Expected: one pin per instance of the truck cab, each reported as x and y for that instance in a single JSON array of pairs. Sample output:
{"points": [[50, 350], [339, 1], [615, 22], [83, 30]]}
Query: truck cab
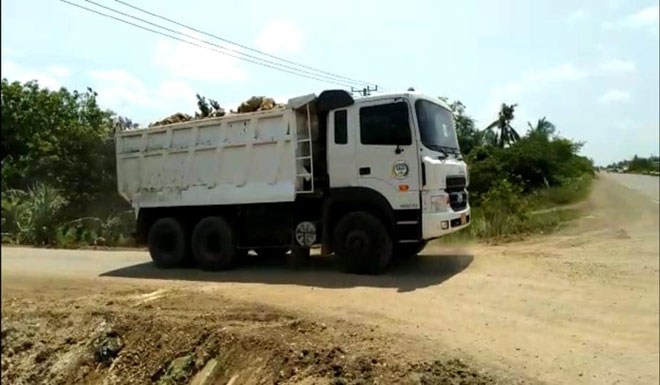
{"points": [[404, 147]]}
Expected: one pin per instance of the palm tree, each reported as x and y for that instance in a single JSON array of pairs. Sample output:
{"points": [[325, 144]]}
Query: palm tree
{"points": [[507, 134], [543, 128]]}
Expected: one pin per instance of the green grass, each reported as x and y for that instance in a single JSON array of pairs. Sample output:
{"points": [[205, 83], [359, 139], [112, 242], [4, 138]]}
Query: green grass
{"points": [[571, 191], [496, 224]]}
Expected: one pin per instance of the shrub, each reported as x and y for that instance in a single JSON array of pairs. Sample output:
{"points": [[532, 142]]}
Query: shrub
{"points": [[31, 216], [91, 231], [503, 209]]}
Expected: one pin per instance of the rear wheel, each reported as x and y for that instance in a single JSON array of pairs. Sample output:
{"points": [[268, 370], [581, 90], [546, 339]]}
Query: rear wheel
{"points": [[213, 244], [362, 243], [167, 243]]}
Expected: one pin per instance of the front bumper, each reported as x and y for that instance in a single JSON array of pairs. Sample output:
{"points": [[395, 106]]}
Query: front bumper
{"points": [[436, 225]]}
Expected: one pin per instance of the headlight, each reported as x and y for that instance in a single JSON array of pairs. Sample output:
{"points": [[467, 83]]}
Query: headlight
{"points": [[439, 203]]}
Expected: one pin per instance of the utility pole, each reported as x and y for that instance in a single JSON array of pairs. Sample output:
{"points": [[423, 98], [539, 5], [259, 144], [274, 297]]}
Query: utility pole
{"points": [[365, 91]]}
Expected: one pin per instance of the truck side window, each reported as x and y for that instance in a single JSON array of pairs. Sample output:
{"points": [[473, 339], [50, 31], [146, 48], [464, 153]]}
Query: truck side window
{"points": [[385, 124], [341, 134]]}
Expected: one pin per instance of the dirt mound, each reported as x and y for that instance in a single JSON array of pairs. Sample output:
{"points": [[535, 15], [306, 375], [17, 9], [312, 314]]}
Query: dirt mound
{"points": [[212, 109], [257, 103], [154, 337], [174, 118]]}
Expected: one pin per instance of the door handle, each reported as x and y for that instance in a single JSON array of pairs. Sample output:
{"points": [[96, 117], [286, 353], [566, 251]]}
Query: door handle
{"points": [[365, 170]]}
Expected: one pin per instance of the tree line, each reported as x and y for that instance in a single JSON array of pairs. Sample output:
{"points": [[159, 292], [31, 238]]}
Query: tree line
{"points": [[59, 175]]}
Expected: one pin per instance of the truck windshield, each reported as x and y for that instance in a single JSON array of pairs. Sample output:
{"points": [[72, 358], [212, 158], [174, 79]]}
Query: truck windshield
{"points": [[436, 127]]}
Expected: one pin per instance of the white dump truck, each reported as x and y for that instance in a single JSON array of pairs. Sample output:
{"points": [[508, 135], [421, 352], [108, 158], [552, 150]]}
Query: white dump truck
{"points": [[365, 178]]}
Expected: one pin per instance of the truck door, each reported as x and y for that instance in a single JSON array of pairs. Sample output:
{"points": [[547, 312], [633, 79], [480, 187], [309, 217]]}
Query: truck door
{"points": [[386, 151], [341, 147]]}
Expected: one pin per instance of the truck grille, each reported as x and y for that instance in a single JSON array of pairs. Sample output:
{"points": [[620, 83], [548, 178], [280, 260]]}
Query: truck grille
{"points": [[458, 200], [458, 197], [455, 182]]}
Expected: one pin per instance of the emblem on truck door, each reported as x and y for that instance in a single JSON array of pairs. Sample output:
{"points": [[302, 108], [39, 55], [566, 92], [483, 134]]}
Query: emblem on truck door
{"points": [[400, 169]]}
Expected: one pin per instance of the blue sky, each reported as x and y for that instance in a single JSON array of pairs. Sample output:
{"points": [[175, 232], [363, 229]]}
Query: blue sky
{"points": [[591, 67]]}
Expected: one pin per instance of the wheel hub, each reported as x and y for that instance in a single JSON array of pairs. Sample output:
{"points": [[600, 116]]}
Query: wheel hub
{"points": [[357, 242]]}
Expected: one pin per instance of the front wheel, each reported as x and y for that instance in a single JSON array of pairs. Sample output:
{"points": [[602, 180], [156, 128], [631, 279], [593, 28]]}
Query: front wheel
{"points": [[362, 243]]}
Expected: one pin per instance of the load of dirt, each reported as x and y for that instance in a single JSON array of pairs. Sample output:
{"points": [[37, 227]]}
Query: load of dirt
{"points": [[257, 103], [175, 118], [212, 109], [138, 337]]}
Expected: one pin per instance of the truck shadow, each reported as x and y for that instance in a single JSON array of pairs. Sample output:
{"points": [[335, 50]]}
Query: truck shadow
{"points": [[406, 274]]}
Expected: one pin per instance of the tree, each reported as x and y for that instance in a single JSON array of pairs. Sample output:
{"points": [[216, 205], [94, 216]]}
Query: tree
{"points": [[507, 134], [208, 109], [122, 123], [203, 105], [60, 138], [543, 129]]}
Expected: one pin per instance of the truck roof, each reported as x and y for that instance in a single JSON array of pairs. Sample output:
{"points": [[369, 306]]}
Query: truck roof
{"points": [[415, 94]]}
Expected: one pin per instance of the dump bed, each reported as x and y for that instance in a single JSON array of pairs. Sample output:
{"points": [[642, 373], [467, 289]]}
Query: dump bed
{"points": [[240, 158]]}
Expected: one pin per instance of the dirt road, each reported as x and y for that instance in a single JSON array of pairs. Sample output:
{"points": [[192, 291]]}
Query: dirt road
{"points": [[578, 306]]}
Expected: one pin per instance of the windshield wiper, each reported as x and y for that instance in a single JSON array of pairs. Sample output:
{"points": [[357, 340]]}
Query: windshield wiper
{"points": [[438, 148], [453, 150]]}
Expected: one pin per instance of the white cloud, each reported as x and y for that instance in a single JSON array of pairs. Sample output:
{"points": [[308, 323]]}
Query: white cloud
{"points": [[60, 71], [190, 62], [563, 72], [530, 82], [614, 96], [177, 90], [646, 18], [578, 16], [118, 89], [123, 93], [13, 71], [618, 66], [280, 36], [536, 80], [6, 51]]}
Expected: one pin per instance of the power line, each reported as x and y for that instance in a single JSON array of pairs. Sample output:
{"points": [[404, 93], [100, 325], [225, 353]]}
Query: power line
{"points": [[201, 46], [243, 46], [213, 44]]}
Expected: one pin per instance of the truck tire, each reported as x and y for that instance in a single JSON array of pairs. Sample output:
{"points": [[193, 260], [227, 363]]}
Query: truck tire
{"points": [[213, 244], [407, 250], [298, 257], [362, 243], [167, 243], [272, 252]]}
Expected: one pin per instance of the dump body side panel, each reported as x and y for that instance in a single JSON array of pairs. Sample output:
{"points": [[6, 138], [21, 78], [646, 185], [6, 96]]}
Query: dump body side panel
{"points": [[247, 158]]}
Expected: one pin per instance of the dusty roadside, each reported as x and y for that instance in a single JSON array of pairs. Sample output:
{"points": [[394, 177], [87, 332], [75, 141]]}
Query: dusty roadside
{"points": [[59, 334], [577, 306]]}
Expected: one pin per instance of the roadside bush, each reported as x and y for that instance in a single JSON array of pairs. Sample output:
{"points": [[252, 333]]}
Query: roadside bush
{"points": [[569, 190], [504, 209], [31, 216], [534, 162], [115, 230]]}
